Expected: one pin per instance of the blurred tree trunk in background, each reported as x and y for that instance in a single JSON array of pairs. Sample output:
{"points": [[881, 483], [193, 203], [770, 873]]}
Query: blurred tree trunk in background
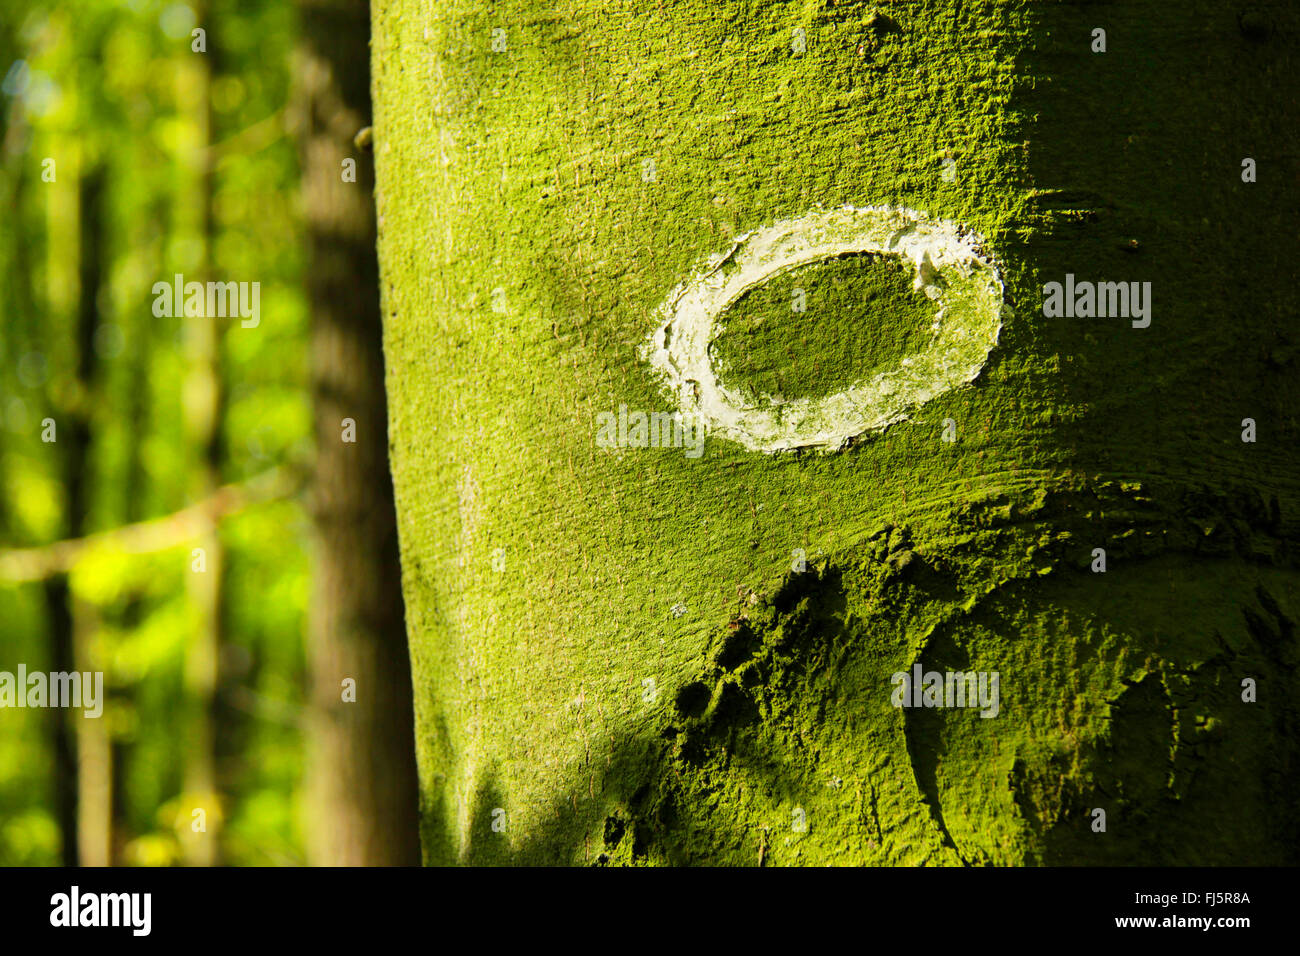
{"points": [[205, 400], [76, 756], [94, 772], [57, 598], [148, 232], [363, 786]]}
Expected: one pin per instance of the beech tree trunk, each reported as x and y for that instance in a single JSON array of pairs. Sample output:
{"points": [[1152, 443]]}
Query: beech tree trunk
{"points": [[362, 775], [620, 654]]}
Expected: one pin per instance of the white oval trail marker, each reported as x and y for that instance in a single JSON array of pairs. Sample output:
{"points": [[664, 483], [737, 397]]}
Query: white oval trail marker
{"points": [[948, 267]]}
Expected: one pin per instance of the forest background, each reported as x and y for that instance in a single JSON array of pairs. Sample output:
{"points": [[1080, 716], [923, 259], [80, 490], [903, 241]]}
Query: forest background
{"points": [[170, 534]]}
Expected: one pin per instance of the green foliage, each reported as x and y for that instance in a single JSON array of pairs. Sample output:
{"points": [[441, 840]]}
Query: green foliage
{"points": [[101, 84]]}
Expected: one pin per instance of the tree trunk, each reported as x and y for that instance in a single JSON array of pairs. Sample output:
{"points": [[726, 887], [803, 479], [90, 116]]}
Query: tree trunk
{"points": [[78, 748], [362, 771], [619, 653], [205, 403]]}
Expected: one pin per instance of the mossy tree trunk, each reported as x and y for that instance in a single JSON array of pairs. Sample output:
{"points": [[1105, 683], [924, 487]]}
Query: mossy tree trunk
{"points": [[617, 656]]}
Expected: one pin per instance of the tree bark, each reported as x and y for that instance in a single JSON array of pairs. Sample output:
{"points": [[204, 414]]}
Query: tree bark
{"points": [[77, 777], [362, 766], [205, 393], [616, 654]]}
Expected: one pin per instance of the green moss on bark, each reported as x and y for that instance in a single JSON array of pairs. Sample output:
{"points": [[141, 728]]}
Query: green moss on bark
{"points": [[610, 646], [856, 316]]}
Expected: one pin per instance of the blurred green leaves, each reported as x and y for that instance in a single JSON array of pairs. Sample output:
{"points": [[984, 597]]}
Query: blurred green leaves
{"points": [[100, 82]]}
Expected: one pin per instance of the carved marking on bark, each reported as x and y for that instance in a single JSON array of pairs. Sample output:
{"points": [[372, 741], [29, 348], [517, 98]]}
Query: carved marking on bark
{"points": [[948, 266]]}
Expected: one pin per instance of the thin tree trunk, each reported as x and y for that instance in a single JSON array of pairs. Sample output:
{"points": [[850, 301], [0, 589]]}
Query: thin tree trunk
{"points": [[618, 652], [94, 799], [77, 780], [135, 487], [205, 408], [95, 809], [362, 766], [66, 784]]}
